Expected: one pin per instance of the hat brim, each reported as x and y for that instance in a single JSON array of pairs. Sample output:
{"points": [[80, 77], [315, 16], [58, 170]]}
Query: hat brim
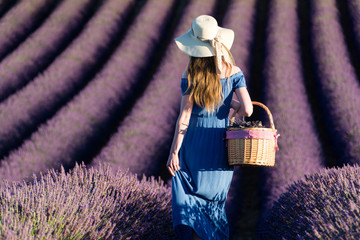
{"points": [[193, 46]]}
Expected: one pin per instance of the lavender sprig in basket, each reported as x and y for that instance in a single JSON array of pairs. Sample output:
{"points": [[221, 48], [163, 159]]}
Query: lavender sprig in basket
{"points": [[241, 123]]}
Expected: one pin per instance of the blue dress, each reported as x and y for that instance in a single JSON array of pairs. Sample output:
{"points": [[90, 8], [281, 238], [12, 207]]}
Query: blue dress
{"points": [[200, 187]]}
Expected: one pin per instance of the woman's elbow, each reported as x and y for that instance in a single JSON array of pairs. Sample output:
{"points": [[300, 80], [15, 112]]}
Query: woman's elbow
{"points": [[184, 119], [248, 111]]}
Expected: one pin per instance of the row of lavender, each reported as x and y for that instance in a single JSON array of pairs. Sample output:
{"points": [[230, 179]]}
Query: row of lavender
{"points": [[300, 149], [24, 111], [21, 20], [337, 83], [62, 139], [43, 45]]}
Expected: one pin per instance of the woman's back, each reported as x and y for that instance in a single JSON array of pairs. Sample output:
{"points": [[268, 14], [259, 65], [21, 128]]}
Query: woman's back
{"points": [[219, 118]]}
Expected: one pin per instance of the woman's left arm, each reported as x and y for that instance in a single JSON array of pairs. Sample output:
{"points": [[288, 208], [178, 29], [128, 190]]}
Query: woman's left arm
{"points": [[243, 102], [182, 124]]}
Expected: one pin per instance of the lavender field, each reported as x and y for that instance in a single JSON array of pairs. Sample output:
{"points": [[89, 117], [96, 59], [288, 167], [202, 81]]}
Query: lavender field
{"points": [[86, 84]]}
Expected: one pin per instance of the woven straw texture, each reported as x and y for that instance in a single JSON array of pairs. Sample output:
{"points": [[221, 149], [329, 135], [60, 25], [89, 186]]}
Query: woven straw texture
{"points": [[252, 151]]}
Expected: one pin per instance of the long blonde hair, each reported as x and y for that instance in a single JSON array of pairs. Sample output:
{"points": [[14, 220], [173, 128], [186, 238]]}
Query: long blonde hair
{"points": [[204, 83]]}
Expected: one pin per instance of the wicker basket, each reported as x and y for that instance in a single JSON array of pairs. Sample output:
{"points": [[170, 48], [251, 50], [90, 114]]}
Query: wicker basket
{"points": [[252, 146]]}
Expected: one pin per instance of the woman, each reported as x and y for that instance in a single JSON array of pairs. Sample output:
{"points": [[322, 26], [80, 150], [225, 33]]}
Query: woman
{"points": [[198, 158]]}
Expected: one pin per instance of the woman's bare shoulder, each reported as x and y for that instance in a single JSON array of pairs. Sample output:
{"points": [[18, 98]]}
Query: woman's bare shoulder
{"points": [[235, 69]]}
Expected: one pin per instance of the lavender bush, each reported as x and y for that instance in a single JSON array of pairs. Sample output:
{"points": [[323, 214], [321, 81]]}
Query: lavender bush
{"points": [[21, 113], [41, 47], [86, 204], [324, 205], [147, 130], [79, 123], [20, 20], [300, 149], [338, 85]]}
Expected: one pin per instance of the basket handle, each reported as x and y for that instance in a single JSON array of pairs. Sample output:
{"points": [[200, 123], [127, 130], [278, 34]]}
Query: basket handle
{"points": [[232, 119]]}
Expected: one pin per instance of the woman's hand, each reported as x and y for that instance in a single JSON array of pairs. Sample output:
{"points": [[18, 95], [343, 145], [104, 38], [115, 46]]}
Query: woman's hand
{"points": [[173, 163]]}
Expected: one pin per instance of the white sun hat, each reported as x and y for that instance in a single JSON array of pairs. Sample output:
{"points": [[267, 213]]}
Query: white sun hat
{"points": [[197, 41], [205, 39]]}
